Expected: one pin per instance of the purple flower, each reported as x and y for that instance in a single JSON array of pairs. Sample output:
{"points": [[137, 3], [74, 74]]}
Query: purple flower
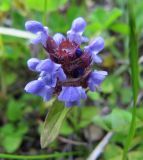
{"points": [[58, 38], [39, 30], [76, 31], [49, 79], [34, 86], [67, 71], [72, 95], [51, 71], [32, 63], [48, 66], [96, 79], [94, 48], [78, 25], [61, 75], [37, 87]]}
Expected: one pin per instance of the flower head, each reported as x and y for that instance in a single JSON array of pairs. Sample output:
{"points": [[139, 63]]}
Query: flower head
{"points": [[67, 72]]}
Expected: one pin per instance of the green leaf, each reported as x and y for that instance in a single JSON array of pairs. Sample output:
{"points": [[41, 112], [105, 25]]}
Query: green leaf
{"points": [[118, 157], [93, 95], [111, 83], [135, 155], [7, 129], [140, 113], [39, 5], [87, 115], [66, 129], [112, 16], [22, 128], [5, 5], [14, 110], [12, 142], [53, 122], [109, 154], [99, 18], [126, 95], [118, 121], [120, 28], [62, 23], [11, 137], [10, 78], [118, 138], [100, 121]]}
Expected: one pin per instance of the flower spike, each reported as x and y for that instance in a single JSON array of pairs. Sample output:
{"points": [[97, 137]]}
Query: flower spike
{"points": [[67, 71]]}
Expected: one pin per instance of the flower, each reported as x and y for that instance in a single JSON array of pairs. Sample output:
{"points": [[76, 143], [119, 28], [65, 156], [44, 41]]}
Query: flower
{"points": [[68, 70], [76, 31], [96, 79], [94, 48], [38, 29], [38, 87], [32, 63], [72, 95]]}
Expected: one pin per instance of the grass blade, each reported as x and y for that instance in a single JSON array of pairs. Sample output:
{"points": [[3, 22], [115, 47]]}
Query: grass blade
{"points": [[37, 157], [16, 33], [133, 57]]}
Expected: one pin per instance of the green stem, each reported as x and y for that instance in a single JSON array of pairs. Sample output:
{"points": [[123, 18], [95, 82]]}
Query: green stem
{"points": [[2, 79], [24, 157], [131, 133], [133, 56]]}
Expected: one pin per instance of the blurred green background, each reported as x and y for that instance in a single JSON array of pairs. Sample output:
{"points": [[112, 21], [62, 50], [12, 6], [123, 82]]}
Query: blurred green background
{"points": [[108, 109]]}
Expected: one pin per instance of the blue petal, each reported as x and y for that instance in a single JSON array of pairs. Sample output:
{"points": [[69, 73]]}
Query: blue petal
{"points": [[46, 93], [98, 76], [82, 93], [96, 79], [43, 73], [34, 26], [48, 66], [71, 94], [58, 37], [91, 85], [32, 63], [84, 39], [78, 25], [73, 37], [37, 87], [36, 40], [68, 94], [75, 33], [71, 104], [95, 46], [77, 38], [40, 31], [97, 59], [50, 80], [43, 38], [34, 87], [61, 75]]}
